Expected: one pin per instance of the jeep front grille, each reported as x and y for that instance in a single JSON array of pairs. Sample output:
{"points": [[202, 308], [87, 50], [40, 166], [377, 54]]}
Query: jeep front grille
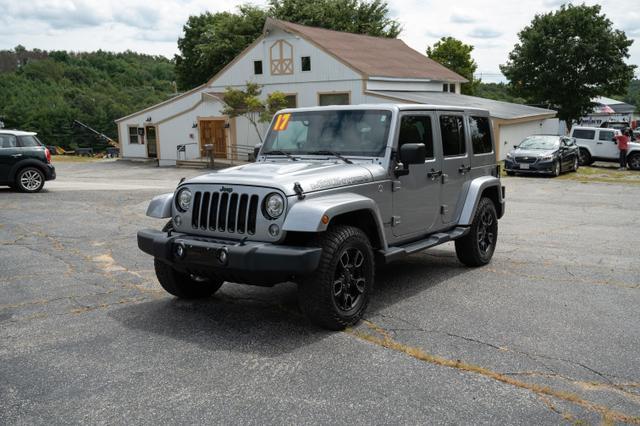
{"points": [[224, 212]]}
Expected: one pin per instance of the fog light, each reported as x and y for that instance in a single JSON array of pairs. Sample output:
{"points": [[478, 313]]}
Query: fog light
{"points": [[179, 251], [223, 256], [177, 220], [274, 230]]}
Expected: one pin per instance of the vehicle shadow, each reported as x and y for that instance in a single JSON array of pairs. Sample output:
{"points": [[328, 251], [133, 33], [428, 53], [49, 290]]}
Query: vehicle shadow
{"points": [[267, 321]]}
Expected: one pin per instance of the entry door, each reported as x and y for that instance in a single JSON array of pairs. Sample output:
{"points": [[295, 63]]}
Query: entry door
{"points": [[213, 132], [455, 163], [605, 146], [416, 200], [152, 142]]}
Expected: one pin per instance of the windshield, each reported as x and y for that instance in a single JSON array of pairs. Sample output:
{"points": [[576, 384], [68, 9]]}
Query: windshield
{"points": [[540, 142], [346, 132]]}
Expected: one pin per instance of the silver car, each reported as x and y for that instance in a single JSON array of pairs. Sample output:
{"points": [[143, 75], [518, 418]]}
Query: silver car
{"points": [[334, 192]]}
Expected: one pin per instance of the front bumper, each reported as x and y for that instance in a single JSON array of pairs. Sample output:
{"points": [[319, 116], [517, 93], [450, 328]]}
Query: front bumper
{"points": [[250, 262], [537, 167]]}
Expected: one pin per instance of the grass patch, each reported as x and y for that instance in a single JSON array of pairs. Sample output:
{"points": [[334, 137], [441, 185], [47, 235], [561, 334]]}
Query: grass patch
{"points": [[73, 159], [604, 174]]}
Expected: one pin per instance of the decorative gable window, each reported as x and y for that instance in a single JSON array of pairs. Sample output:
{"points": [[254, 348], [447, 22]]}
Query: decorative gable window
{"points": [[305, 63], [281, 55], [257, 67]]}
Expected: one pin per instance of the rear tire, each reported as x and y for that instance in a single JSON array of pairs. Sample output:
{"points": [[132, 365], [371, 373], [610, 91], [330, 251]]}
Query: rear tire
{"points": [[336, 295], [184, 285], [477, 247], [584, 157], [633, 161], [576, 165], [29, 179]]}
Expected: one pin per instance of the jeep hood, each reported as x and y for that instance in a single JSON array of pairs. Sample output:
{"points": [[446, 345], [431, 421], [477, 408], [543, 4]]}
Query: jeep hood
{"points": [[311, 175]]}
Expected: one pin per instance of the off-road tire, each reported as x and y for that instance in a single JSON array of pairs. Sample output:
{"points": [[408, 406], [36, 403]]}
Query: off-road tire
{"points": [[468, 248], [184, 285], [584, 158], [557, 169], [318, 294], [29, 179], [633, 161]]}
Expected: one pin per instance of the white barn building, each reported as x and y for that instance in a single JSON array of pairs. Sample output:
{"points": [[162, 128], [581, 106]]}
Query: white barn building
{"points": [[312, 66]]}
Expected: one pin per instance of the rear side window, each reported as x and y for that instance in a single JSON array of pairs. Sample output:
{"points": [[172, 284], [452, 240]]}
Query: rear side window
{"points": [[27, 141], [417, 129], [7, 141], [480, 135], [605, 135], [584, 134], [452, 130]]}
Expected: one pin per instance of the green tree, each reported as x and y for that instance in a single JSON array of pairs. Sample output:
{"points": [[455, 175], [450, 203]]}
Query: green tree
{"points": [[455, 55], [211, 41], [567, 57], [247, 103]]}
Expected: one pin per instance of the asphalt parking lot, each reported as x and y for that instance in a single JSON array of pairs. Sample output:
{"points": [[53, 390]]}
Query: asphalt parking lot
{"points": [[548, 333]]}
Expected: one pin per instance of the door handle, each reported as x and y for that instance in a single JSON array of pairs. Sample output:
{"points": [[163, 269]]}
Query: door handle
{"points": [[464, 169], [433, 174], [598, 143], [16, 155]]}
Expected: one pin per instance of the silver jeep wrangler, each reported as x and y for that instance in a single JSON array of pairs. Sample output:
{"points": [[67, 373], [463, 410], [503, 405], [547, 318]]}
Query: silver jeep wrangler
{"points": [[334, 191]]}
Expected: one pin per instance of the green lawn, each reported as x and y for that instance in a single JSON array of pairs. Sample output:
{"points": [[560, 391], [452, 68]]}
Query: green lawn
{"points": [[600, 172]]}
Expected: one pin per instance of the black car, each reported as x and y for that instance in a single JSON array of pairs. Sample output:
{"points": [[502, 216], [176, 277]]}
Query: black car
{"points": [[543, 154], [25, 163]]}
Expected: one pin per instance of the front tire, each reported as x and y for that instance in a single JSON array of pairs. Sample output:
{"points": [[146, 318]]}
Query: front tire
{"points": [[29, 179], [555, 172], [633, 161], [337, 294], [184, 285], [477, 247]]}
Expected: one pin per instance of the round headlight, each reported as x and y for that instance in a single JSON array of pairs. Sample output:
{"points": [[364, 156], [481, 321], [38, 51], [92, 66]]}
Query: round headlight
{"points": [[274, 205], [184, 199]]}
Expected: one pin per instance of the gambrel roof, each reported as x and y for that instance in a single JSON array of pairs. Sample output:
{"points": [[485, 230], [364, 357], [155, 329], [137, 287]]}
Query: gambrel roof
{"points": [[371, 56]]}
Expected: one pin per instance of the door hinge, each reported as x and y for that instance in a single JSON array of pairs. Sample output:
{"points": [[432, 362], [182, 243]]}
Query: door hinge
{"points": [[396, 185], [395, 220], [444, 209]]}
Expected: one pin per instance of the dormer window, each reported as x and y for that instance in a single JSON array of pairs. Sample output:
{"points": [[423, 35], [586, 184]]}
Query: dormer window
{"points": [[305, 63], [257, 67]]}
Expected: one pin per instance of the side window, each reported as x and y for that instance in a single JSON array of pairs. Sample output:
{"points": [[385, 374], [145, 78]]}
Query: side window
{"points": [[605, 135], [27, 141], [584, 134], [452, 130], [417, 129], [7, 141], [133, 135], [480, 135]]}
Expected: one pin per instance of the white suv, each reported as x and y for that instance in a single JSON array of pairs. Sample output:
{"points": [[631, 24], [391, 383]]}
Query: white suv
{"points": [[598, 144]]}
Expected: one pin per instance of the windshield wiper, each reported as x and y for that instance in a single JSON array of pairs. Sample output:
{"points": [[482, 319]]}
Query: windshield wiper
{"points": [[335, 154], [286, 154]]}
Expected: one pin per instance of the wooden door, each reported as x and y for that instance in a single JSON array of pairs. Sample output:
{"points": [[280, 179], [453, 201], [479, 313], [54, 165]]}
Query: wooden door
{"points": [[152, 142], [213, 132]]}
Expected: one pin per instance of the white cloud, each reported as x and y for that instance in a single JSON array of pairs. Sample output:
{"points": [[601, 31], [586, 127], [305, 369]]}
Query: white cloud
{"points": [[484, 32], [461, 18]]}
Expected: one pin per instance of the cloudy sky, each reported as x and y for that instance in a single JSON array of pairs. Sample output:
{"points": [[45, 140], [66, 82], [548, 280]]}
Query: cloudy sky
{"points": [[153, 26]]}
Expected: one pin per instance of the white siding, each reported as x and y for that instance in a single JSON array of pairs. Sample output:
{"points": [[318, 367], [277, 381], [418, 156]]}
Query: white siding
{"points": [[406, 86], [513, 134]]}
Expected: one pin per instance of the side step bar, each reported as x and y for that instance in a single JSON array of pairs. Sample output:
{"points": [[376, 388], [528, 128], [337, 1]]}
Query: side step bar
{"points": [[398, 252]]}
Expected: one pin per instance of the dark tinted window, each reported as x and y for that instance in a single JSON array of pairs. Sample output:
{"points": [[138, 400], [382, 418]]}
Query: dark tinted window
{"points": [[306, 63], [445, 87], [480, 135], [292, 101], [257, 67], [584, 134], [605, 135], [333, 99], [7, 141], [26, 141], [452, 130], [417, 129]]}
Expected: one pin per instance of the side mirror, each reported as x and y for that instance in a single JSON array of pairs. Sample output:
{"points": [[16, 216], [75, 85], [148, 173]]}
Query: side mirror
{"points": [[256, 151], [515, 147], [413, 153]]}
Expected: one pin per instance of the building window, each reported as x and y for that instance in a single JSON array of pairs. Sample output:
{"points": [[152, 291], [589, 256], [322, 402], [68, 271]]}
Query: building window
{"points": [[445, 87], [452, 88], [292, 100], [452, 131], [480, 135], [306, 63], [257, 67], [133, 135], [325, 99]]}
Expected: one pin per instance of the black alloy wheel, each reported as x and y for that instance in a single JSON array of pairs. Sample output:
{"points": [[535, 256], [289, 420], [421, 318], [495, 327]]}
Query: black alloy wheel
{"points": [[349, 281]]}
